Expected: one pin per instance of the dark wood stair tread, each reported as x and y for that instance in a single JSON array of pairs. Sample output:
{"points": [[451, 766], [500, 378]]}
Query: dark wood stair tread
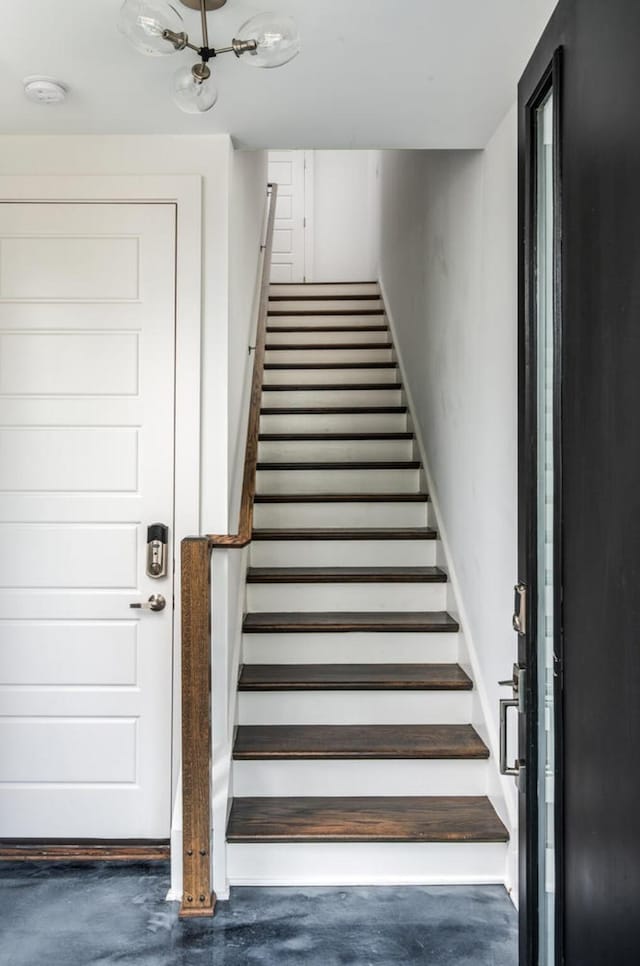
{"points": [[340, 622], [327, 328], [345, 533], [343, 465], [352, 742], [346, 575], [332, 346], [359, 281], [371, 819], [329, 410], [331, 365], [328, 386], [275, 313], [341, 497], [353, 677], [334, 437], [352, 297]]}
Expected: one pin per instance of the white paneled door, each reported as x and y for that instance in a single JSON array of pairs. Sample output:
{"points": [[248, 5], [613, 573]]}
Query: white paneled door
{"points": [[87, 330], [287, 170]]}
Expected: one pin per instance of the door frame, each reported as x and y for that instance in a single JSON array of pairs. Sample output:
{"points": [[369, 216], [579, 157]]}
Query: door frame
{"points": [[185, 193], [309, 215], [529, 99]]}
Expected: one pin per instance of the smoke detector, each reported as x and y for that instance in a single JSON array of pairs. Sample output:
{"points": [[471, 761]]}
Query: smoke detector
{"points": [[44, 90]]}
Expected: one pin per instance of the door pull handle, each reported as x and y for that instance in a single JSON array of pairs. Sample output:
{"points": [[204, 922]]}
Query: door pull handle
{"points": [[155, 602], [514, 770]]}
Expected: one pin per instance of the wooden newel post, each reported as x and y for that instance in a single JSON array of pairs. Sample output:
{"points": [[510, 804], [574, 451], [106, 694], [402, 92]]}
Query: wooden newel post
{"points": [[198, 899]]}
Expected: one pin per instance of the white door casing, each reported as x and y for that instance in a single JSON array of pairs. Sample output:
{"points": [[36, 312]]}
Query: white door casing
{"points": [[287, 170], [87, 334]]}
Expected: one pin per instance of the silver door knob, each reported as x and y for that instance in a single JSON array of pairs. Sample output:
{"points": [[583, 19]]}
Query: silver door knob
{"points": [[155, 602]]}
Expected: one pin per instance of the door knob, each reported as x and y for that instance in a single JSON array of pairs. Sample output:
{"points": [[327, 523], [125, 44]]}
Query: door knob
{"points": [[155, 602]]}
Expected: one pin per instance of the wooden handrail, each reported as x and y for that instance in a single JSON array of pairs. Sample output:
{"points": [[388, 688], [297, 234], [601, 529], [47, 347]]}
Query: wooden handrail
{"points": [[245, 522], [198, 898]]}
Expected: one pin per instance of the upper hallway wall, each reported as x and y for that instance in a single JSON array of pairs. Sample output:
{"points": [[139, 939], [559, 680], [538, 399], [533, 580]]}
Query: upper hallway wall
{"points": [[448, 264], [344, 216], [247, 200]]}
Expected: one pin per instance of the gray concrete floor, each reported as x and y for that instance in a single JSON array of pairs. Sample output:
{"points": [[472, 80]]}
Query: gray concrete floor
{"points": [[115, 915]]}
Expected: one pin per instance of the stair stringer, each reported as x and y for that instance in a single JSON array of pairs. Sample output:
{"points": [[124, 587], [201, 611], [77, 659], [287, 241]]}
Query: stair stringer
{"points": [[501, 789]]}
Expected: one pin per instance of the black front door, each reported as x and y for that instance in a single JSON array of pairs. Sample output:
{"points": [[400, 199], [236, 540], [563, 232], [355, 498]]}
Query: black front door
{"points": [[579, 487]]}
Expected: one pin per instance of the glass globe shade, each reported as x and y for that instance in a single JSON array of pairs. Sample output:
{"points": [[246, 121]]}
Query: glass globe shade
{"points": [[143, 21], [277, 38], [192, 95]]}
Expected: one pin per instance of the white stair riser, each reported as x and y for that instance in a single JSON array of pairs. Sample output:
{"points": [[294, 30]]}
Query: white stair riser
{"points": [[369, 648], [354, 707], [270, 515], [308, 356], [345, 597], [301, 376], [343, 553], [314, 321], [333, 397], [314, 336], [326, 305], [338, 481], [333, 423], [325, 290], [363, 777], [334, 863], [337, 450]]}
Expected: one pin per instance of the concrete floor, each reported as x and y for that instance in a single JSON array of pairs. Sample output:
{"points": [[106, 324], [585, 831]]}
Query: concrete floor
{"points": [[115, 915]]}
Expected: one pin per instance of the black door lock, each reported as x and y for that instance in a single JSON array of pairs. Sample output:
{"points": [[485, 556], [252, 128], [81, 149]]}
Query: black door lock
{"points": [[157, 546]]}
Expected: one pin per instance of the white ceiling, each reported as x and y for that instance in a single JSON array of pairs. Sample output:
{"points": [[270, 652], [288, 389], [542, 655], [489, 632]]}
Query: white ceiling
{"points": [[371, 74]]}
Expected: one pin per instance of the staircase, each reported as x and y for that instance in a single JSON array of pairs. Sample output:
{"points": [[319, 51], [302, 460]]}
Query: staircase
{"points": [[354, 759]]}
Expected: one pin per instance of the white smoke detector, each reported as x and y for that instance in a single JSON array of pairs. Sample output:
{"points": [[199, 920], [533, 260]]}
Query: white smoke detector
{"points": [[44, 90]]}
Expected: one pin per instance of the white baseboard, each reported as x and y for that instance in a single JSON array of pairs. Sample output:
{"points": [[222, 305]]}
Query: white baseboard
{"points": [[356, 881]]}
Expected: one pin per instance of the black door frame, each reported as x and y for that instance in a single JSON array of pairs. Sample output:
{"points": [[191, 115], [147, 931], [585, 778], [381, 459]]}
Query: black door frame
{"points": [[532, 92]]}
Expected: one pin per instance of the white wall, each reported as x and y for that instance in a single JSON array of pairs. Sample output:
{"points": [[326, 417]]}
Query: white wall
{"points": [[448, 264], [343, 218], [210, 157], [234, 197], [247, 206]]}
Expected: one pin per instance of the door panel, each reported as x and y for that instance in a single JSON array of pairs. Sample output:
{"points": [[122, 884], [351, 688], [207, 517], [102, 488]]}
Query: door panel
{"points": [[87, 330], [598, 671], [286, 169]]}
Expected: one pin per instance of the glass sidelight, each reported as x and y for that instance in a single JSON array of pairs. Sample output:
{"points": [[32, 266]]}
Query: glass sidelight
{"points": [[544, 643], [538, 594]]}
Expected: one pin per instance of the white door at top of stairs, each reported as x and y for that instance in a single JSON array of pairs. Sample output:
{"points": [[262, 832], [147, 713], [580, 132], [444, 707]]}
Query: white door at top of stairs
{"points": [[87, 332], [287, 170]]}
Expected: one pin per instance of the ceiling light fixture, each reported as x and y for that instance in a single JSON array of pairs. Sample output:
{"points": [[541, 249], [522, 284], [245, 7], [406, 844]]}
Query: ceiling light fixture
{"points": [[155, 27]]}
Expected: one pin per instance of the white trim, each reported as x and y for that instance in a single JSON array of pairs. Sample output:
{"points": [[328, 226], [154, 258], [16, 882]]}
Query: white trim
{"points": [[309, 215], [185, 191], [355, 880], [503, 804]]}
